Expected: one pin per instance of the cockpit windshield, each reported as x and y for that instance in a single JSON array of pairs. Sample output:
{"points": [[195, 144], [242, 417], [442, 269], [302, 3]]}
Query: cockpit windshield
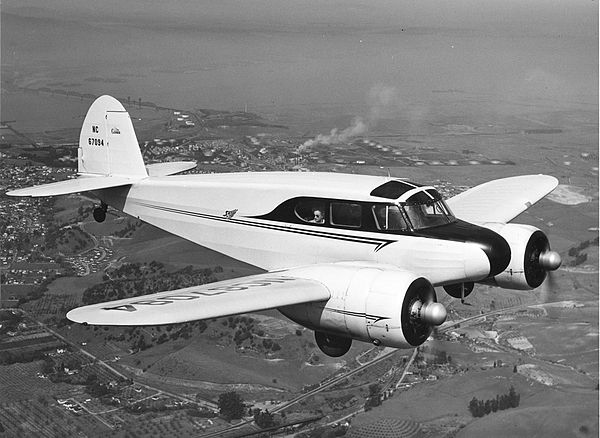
{"points": [[427, 209]]}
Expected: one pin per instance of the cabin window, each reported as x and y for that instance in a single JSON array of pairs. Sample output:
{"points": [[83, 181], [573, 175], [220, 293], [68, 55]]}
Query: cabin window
{"points": [[346, 214], [389, 218], [311, 211]]}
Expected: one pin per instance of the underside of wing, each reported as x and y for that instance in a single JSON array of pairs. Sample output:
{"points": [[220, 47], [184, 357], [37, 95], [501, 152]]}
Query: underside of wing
{"points": [[69, 186], [501, 200], [229, 297]]}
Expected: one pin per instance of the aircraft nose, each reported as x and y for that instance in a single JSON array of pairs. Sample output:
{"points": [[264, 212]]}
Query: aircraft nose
{"points": [[495, 247]]}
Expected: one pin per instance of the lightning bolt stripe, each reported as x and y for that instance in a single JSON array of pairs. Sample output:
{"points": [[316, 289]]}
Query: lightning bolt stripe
{"points": [[373, 319], [378, 243]]}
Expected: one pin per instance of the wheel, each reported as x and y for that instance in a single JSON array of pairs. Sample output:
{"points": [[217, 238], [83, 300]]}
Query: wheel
{"points": [[331, 345], [99, 214]]}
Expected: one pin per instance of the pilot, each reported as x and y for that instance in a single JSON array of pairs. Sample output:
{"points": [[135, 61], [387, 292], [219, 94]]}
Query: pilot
{"points": [[317, 217]]}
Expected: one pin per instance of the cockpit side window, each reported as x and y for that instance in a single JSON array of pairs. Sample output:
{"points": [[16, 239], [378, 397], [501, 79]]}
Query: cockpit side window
{"points": [[389, 218], [346, 214], [311, 211]]}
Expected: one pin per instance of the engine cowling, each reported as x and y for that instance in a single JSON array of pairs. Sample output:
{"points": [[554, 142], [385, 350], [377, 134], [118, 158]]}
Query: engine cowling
{"points": [[387, 307], [531, 257]]}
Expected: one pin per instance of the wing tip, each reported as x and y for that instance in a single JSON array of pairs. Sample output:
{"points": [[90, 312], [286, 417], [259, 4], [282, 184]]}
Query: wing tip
{"points": [[19, 193], [72, 315]]}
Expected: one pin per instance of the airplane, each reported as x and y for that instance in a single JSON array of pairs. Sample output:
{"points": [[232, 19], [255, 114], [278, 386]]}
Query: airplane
{"points": [[351, 257]]}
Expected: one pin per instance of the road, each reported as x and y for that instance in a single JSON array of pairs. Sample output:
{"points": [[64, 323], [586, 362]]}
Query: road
{"points": [[113, 370], [308, 394]]}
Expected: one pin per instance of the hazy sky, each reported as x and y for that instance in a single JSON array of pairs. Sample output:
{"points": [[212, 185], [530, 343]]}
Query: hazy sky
{"points": [[543, 17], [279, 56]]}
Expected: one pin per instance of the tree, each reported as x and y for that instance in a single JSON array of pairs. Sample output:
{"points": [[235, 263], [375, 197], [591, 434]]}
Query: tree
{"points": [[513, 397], [263, 419], [231, 405], [374, 397], [475, 408], [479, 408]]}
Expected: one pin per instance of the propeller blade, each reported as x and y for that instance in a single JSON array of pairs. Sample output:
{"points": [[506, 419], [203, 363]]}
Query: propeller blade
{"points": [[549, 287]]}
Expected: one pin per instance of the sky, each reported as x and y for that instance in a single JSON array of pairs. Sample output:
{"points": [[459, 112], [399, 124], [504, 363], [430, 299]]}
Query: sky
{"points": [[306, 57]]}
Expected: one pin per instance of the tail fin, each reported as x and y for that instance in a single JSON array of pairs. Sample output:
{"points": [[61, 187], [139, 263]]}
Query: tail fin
{"points": [[108, 156], [107, 143]]}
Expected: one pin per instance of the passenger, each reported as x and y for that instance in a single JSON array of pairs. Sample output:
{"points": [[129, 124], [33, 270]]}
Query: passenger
{"points": [[317, 217]]}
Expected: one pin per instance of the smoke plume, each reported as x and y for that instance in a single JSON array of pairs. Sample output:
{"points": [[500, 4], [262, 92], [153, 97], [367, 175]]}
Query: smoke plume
{"points": [[335, 136], [381, 100]]}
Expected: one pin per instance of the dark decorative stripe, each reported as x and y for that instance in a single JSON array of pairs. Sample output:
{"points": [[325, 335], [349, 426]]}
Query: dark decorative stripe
{"points": [[380, 243], [372, 318]]}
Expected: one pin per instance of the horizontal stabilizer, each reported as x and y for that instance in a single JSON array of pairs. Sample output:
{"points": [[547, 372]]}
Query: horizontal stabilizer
{"points": [[169, 168], [501, 200], [213, 300], [77, 185]]}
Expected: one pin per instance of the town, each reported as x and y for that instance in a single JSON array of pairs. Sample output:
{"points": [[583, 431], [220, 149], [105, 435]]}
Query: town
{"points": [[54, 257]]}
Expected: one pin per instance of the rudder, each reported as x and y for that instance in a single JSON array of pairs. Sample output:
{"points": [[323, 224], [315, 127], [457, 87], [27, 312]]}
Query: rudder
{"points": [[107, 143]]}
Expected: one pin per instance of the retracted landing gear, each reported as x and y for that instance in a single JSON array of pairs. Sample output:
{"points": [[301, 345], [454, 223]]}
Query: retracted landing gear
{"points": [[100, 212], [331, 345], [460, 290]]}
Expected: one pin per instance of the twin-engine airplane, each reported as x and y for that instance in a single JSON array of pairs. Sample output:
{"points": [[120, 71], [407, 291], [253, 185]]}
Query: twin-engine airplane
{"points": [[348, 256]]}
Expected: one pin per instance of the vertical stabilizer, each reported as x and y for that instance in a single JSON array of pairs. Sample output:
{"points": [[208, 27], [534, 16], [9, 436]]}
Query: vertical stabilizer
{"points": [[107, 143]]}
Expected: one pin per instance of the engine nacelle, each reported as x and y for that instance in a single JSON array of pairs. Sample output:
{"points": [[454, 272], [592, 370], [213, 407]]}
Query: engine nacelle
{"points": [[387, 307], [531, 257]]}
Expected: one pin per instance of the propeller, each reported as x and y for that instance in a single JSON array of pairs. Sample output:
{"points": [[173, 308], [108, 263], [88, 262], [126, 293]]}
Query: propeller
{"points": [[539, 259], [549, 261], [549, 287]]}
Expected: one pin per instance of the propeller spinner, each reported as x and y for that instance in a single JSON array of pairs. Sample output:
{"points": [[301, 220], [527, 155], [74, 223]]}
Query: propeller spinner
{"points": [[550, 260], [431, 313]]}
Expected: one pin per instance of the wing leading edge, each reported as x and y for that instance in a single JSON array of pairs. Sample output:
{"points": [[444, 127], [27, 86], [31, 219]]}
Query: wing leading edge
{"points": [[223, 298], [77, 185], [501, 200]]}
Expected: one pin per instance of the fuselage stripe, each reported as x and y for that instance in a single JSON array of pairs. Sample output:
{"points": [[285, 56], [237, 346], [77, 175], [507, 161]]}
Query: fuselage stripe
{"points": [[380, 243]]}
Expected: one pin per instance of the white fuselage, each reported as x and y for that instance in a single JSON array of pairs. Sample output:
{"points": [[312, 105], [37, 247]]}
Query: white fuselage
{"points": [[221, 212]]}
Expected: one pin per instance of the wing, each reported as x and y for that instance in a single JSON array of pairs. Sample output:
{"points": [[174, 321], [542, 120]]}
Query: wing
{"points": [[169, 168], [501, 200], [229, 297], [77, 185]]}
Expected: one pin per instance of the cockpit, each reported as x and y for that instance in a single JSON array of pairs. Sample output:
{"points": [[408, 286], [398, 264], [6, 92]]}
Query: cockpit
{"points": [[426, 209], [413, 207], [416, 213], [408, 208]]}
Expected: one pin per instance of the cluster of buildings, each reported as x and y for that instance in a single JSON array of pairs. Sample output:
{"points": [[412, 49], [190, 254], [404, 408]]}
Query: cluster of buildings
{"points": [[23, 227], [250, 153]]}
